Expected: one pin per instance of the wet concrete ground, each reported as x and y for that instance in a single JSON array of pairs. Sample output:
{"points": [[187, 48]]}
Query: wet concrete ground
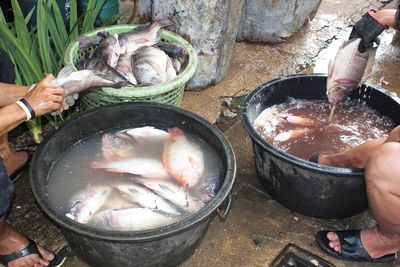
{"points": [[257, 227]]}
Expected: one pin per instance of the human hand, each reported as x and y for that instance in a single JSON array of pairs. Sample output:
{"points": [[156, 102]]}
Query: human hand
{"points": [[368, 29], [44, 98]]}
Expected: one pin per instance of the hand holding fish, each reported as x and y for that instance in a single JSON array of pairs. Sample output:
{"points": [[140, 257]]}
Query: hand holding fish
{"points": [[368, 29], [45, 98]]}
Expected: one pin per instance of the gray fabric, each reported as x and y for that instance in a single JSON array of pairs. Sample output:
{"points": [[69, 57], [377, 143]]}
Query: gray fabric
{"points": [[6, 189]]}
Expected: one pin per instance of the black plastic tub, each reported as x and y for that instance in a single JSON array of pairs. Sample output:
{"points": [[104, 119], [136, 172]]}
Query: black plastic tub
{"points": [[164, 246], [300, 185]]}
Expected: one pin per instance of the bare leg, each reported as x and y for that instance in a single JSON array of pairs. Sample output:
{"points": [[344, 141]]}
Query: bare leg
{"points": [[11, 160], [12, 241], [358, 157], [383, 191]]}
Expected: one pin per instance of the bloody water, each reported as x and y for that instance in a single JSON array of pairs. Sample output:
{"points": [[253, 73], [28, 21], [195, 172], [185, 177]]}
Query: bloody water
{"points": [[353, 123], [71, 175]]}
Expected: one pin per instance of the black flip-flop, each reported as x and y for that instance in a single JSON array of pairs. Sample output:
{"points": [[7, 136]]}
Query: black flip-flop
{"points": [[21, 169], [352, 248], [32, 248]]}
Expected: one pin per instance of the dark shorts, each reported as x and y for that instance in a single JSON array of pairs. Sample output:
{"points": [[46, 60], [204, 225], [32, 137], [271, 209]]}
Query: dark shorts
{"points": [[6, 189], [7, 74]]}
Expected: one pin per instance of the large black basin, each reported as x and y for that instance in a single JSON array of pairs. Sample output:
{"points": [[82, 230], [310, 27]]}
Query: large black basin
{"points": [[164, 246], [299, 185]]}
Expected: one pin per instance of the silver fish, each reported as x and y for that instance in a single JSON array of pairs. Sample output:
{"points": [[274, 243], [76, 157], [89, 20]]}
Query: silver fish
{"points": [[124, 67], [150, 65], [103, 70], [131, 219], [349, 70], [116, 148], [87, 203], [144, 35], [146, 134], [172, 192], [109, 50], [209, 187], [149, 168], [145, 197]]}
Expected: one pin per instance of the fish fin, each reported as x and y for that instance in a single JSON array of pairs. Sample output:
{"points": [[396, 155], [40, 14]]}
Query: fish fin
{"points": [[66, 71], [368, 69]]}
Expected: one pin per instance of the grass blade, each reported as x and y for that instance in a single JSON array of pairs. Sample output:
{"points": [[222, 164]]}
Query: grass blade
{"points": [[73, 20], [20, 26]]}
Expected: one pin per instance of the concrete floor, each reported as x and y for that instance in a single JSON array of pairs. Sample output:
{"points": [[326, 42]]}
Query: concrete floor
{"points": [[257, 227]]}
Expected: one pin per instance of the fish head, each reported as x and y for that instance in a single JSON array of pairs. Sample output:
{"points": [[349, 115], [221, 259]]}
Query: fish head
{"points": [[338, 92], [115, 148]]}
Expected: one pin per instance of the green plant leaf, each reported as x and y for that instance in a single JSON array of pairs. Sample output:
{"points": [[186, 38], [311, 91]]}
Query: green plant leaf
{"points": [[20, 26], [59, 20], [73, 21], [43, 37]]}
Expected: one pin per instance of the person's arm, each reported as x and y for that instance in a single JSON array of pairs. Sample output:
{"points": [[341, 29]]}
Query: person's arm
{"points": [[11, 93], [42, 99]]}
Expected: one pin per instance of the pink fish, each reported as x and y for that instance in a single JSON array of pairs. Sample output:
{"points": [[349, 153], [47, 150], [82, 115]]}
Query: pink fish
{"points": [[183, 160], [148, 168]]}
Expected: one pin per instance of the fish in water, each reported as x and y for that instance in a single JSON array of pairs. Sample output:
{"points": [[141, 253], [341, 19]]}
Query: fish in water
{"points": [[124, 67], [109, 50], [151, 65], [131, 219], [148, 168], [116, 148], [349, 70], [210, 187], [183, 160], [172, 192], [87, 203], [145, 197], [291, 134], [143, 35], [172, 50], [146, 134]]}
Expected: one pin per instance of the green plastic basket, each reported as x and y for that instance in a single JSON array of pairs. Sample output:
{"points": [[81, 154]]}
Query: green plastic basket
{"points": [[170, 92]]}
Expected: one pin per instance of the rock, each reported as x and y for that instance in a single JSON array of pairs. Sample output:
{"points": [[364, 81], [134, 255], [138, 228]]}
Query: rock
{"points": [[209, 25], [274, 20]]}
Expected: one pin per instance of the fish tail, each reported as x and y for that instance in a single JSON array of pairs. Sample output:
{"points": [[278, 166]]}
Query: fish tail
{"points": [[163, 22], [66, 71]]}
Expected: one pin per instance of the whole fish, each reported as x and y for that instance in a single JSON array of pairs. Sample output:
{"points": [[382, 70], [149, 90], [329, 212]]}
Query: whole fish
{"points": [[349, 70], [124, 67], [172, 192], [116, 148], [73, 82], [148, 168], [150, 66], [145, 197], [183, 160], [103, 70], [146, 134], [172, 50], [131, 219], [109, 50], [143, 35], [88, 203]]}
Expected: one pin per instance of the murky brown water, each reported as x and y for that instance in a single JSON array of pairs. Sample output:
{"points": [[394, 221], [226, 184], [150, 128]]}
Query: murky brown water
{"points": [[301, 127]]}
